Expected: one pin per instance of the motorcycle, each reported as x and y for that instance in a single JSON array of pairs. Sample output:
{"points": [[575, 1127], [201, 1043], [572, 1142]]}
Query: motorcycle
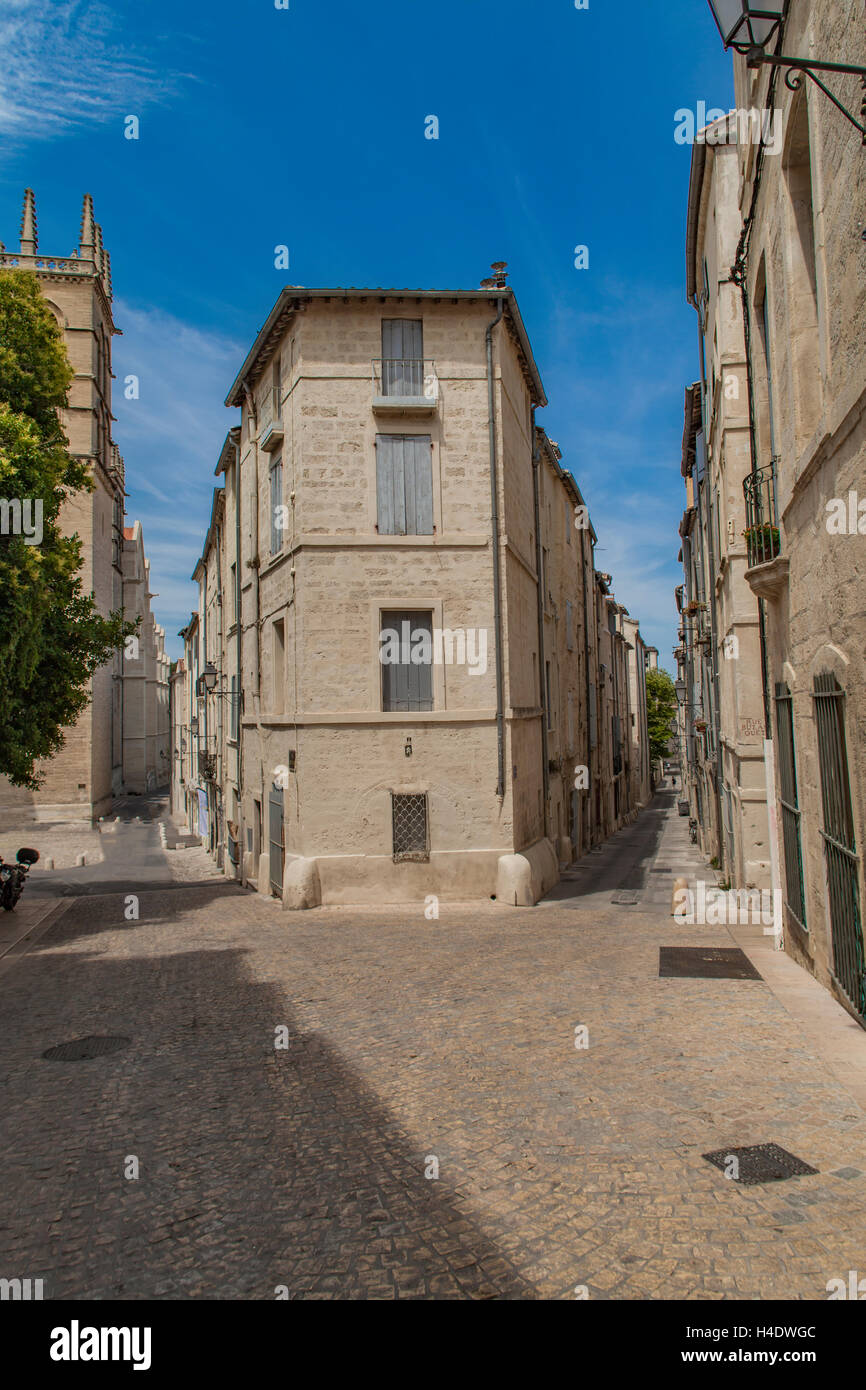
{"points": [[14, 876]]}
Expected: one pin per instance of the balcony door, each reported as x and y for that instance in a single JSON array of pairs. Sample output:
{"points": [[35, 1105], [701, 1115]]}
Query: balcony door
{"points": [[402, 357]]}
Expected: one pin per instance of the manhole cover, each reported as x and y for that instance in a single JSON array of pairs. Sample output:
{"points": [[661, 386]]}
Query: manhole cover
{"points": [[625, 899], [706, 963], [83, 1049], [759, 1163]]}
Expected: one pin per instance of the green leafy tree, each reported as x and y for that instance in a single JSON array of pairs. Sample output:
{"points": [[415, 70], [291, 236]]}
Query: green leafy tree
{"points": [[661, 707], [52, 636]]}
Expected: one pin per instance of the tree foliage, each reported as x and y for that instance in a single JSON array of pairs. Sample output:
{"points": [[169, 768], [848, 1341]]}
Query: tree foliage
{"points": [[52, 636], [661, 707]]}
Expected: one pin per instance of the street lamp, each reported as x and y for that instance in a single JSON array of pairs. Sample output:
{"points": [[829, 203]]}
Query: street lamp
{"points": [[206, 683], [747, 26], [680, 688]]}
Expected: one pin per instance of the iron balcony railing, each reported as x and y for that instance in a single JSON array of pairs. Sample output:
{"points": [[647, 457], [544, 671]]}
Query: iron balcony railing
{"points": [[763, 538], [207, 766], [405, 376]]}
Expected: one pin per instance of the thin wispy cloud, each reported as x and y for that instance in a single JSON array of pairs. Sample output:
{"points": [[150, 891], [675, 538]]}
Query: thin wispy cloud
{"points": [[170, 438], [69, 64]]}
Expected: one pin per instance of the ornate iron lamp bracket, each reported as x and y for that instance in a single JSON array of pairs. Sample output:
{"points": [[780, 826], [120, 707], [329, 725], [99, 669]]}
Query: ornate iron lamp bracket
{"points": [[798, 68]]}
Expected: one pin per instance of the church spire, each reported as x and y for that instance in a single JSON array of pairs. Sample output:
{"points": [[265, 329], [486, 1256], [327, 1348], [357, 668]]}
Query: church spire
{"points": [[29, 239]]}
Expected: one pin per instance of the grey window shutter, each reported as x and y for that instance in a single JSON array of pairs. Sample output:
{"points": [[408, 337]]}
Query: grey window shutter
{"points": [[402, 354], [405, 686], [390, 489], [404, 485], [419, 466]]}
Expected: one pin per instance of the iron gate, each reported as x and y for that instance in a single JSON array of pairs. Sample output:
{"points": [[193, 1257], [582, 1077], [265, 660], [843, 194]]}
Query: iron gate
{"points": [[275, 839], [795, 894], [840, 850]]}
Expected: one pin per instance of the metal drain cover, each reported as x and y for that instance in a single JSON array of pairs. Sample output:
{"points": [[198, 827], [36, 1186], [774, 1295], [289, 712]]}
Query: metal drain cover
{"points": [[706, 963], [625, 899], [759, 1163], [83, 1049]]}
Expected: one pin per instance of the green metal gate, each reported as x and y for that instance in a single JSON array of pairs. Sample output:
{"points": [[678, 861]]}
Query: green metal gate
{"points": [[795, 896], [840, 850], [275, 840]]}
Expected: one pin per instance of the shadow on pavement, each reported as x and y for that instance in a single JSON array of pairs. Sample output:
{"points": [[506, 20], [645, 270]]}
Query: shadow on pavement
{"points": [[258, 1168]]}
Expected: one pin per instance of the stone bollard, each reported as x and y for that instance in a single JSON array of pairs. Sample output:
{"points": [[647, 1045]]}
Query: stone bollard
{"points": [[680, 885], [48, 863], [80, 861]]}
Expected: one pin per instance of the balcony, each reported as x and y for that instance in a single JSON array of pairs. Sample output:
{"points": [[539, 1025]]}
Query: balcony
{"points": [[766, 566], [405, 385], [271, 436], [207, 766]]}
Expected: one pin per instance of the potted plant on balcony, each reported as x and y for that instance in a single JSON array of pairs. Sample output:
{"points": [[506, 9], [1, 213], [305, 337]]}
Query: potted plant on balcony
{"points": [[694, 607], [763, 543]]}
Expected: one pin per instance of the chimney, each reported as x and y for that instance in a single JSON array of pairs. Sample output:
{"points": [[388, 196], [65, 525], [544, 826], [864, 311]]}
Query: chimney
{"points": [[499, 278]]}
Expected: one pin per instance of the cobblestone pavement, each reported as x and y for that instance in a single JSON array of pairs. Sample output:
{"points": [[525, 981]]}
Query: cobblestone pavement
{"points": [[412, 1041]]}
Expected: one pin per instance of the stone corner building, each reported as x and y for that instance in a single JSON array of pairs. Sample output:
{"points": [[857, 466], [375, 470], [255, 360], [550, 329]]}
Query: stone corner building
{"points": [[420, 684], [89, 771], [797, 443]]}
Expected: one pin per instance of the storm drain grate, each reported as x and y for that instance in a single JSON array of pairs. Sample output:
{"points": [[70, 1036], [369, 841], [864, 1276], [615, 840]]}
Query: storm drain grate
{"points": [[759, 1163], [83, 1049], [705, 963], [625, 899]]}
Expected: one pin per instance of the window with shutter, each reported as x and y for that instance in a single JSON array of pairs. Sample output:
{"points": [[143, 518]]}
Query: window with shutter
{"points": [[276, 506], [407, 684], [402, 357], [404, 485]]}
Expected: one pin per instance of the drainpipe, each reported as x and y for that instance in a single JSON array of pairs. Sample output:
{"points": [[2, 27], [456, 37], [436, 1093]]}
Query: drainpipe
{"points": [[240, 648], [586, 587], [494, 523], [539, 594]]}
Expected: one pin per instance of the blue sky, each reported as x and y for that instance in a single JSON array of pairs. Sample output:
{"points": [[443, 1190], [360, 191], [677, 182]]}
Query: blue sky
{"points": [[305, 127]]}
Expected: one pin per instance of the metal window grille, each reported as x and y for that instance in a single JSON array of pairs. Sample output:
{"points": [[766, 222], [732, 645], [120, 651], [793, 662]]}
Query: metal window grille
{"points": [[409, 823], [840, 851], [795, 893]]}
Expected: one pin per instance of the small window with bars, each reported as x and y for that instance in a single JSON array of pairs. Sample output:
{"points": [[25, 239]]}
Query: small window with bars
{"points": [[410, 827]]}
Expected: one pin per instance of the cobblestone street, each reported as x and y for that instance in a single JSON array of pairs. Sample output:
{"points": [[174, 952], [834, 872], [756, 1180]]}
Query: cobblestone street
{"points": [[412, 1044]]}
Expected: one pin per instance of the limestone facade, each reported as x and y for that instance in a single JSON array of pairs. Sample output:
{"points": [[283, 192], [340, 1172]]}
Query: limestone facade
{"points": [[387, 480], [145, 691], [796, 249], [88, 772], [720, 645]]}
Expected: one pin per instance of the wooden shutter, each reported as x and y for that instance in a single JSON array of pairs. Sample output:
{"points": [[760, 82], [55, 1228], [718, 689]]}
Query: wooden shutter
{"points": [[402, 357], [406, 686], [404, 485]]}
